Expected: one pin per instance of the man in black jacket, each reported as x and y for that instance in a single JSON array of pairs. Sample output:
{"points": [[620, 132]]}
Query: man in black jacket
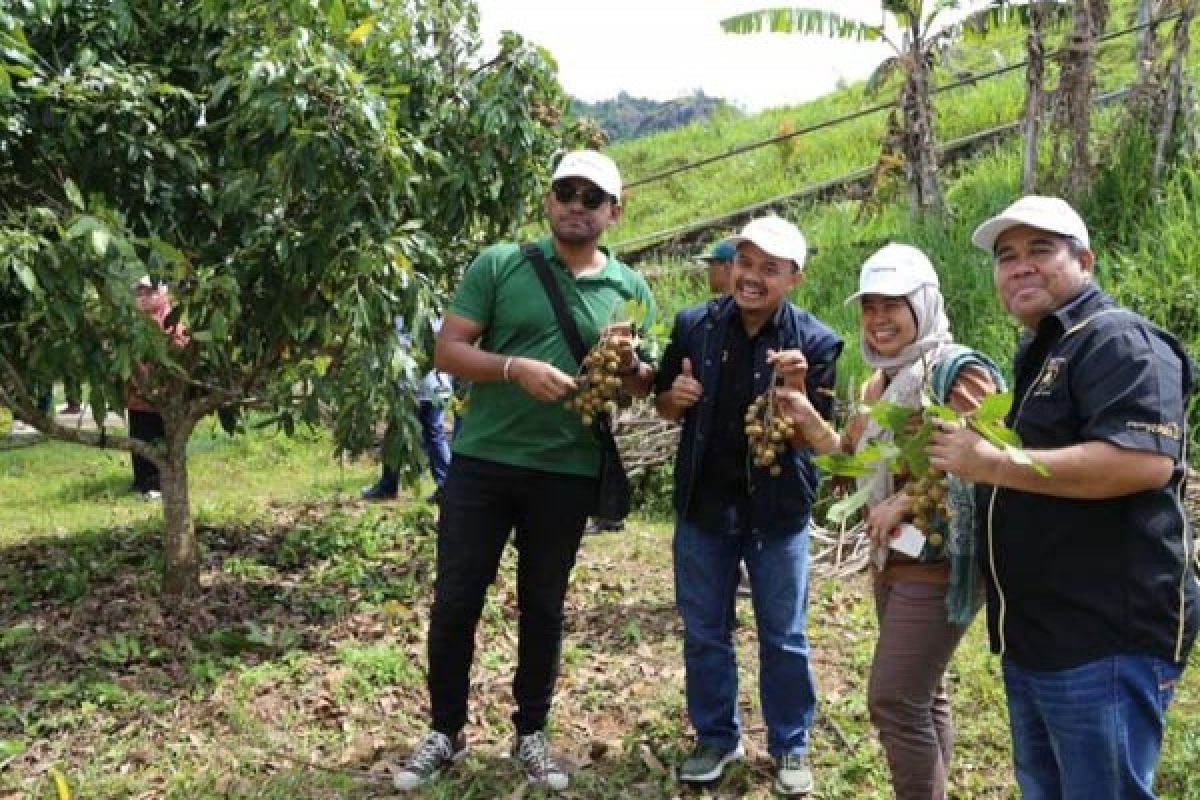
{"points": [[731, 507], [1092, 599]]}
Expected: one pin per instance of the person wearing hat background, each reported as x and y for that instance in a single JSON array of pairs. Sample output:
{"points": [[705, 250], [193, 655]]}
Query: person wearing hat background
{"points": [[152, 299], [1091, 594], [521, 459], [926, 596], [720, 266], [721, 356]]}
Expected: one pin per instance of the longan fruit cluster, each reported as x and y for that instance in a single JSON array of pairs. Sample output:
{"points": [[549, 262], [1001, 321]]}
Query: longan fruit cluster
{"points": [[599, 382], [927, 498], [768, 433]]}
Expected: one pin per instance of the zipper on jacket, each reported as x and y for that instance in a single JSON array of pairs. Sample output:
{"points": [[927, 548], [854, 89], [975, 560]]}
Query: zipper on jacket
{"points": [[1187, 547], [695, 449], [1002, 613]]}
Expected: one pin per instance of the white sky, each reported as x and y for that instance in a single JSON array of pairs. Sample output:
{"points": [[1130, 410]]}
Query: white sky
{"points": [[666, 48]]}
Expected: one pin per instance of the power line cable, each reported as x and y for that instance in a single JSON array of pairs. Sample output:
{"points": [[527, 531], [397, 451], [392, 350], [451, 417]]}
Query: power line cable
{"points": [[970, 80]]}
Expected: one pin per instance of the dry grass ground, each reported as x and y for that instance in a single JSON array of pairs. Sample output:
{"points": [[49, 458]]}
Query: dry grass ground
{"points": [[299, 671]]}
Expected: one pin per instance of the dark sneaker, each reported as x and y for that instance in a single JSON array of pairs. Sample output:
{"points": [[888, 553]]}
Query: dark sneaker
{"points": [[707, 763], [540, 766], [599, 525], [379, 492], [437, 752], [792, 775]]}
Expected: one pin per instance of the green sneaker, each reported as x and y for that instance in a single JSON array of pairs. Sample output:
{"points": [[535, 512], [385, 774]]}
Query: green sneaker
{"points": [[792, 775], [707, 762]]}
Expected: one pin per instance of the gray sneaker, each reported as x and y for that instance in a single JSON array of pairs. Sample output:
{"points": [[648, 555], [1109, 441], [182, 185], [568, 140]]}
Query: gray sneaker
{"points": [[792, 775], [540, 766], [707, 762], [433, 755]]}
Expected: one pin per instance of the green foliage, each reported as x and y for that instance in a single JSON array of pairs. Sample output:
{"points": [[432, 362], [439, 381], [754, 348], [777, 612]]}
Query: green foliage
{"points": [[652, 491], [298, 178], [336, 535], [911, 432], [1155, 266], [376, 666]]}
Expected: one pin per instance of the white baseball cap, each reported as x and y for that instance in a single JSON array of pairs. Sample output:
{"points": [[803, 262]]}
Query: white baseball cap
{"points": [[895, 270], [776, 236], [1051, 214], [595, 167]]}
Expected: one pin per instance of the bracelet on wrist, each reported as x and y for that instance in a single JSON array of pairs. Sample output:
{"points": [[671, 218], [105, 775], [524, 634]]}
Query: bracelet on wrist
{"points": [[507, 364]]}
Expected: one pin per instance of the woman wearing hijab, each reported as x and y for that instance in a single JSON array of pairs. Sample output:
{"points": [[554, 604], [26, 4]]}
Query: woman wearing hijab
{"points": [[924, 601]]}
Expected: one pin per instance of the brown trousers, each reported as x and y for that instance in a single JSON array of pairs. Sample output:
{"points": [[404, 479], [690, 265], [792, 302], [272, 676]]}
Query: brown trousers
{"points": [[906, 694]]}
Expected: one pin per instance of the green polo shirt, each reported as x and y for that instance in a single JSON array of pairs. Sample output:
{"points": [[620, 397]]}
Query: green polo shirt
{"points": [[501, 292]]}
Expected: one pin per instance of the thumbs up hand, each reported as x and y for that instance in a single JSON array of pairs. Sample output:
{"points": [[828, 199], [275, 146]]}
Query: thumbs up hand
{"points": [[791, 366], [686, 391]]}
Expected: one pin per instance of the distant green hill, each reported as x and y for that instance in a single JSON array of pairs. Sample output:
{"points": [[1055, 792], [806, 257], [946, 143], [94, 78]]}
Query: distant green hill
{"points": [[628, 117]]}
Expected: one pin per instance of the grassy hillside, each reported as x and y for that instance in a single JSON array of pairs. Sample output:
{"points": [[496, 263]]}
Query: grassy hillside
{"points": [[1136, 236], [785, 167]]}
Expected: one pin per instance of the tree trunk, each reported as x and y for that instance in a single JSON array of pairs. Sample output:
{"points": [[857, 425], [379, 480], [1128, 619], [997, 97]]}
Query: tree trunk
{"points": [[920, 144], [1076, 86], [1174, 88], [1146, 40], [181, 561], [1035, 79]]}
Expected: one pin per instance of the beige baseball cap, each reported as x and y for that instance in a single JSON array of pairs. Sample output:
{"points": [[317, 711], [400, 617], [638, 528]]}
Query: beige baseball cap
{"points": [[1044, 213], [776, 236]]}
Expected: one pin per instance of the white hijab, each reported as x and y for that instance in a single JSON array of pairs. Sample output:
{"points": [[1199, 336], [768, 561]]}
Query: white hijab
{"points": [[908, 374]]}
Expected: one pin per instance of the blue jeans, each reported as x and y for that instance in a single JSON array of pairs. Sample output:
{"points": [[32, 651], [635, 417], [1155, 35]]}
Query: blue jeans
{"points": [[1091, 732], [433, 437], [706, 577], [433, 441]]}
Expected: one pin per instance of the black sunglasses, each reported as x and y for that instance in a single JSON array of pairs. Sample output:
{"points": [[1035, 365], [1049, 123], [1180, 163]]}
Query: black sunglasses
{"points": [[592, 197]]}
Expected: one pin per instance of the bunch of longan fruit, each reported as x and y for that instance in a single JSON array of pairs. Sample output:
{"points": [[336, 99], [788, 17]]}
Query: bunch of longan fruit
{"points": [[599, 381], [768, 433], [927, 499]]}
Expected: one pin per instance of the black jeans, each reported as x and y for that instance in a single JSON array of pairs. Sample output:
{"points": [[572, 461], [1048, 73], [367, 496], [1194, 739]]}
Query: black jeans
{"points": [[483, 501], [147, 426]]}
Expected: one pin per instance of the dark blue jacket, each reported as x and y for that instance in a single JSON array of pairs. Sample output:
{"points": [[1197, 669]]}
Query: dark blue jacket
{"points": [[777, 505]]}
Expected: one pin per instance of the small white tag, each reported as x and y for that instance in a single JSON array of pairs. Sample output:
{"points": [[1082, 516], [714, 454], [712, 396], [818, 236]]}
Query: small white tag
{"points": [[910, 541]]}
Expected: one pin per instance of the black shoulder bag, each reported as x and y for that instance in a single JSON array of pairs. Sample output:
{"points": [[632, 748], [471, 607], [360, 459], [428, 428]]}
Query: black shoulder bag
{"points": [[613, 495]]}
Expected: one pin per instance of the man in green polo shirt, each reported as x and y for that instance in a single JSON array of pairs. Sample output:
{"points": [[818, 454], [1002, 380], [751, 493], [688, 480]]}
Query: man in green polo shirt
{"points": [[521, 459]]}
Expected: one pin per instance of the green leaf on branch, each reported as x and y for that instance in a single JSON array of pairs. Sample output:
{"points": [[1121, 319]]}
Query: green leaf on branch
{"points": [[73, 194], [100, 239], [1021, 457], [26, 276], [360, 33], [994, 408], [848, 466], [843, 509], [997, 433], [219, 325], [912, 449], [890, 415], [942, 412]]}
